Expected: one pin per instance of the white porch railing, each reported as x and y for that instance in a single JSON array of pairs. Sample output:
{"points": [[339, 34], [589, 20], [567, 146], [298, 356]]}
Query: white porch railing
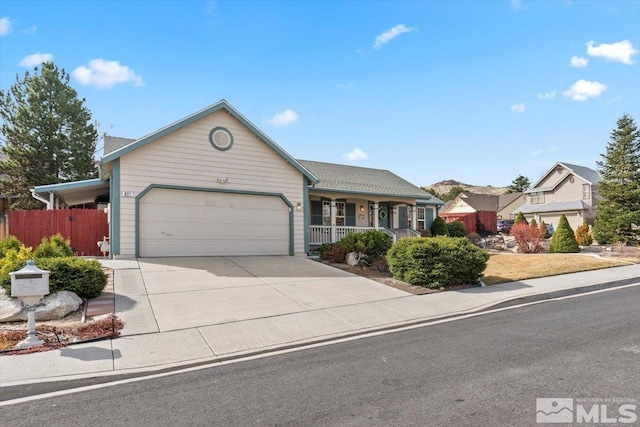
{"points": [[320, 234]]}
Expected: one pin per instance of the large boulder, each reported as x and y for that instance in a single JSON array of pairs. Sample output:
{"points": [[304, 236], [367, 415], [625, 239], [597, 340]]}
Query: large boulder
{"points": [[52, 307]]}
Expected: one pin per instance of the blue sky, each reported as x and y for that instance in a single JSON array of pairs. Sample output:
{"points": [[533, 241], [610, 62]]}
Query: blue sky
{"points": [[477, 91]]}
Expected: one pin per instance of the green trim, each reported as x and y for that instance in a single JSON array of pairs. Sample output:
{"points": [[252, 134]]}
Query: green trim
{"points": [[306, 212], [368, 193], [220, 105], [211, 190], [114, 209], [214, 144], [88, 183]]}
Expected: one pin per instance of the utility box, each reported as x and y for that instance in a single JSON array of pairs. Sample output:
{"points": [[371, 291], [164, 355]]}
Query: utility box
{"points": [[30, 283]]}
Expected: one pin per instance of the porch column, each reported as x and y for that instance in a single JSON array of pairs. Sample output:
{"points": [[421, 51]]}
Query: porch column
{"points": [[50, 206], [333, 220], [414, 217], [376, 210]]}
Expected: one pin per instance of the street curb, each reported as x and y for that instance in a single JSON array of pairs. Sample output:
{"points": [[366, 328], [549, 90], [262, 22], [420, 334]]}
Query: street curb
{"points": [[52, 384]]}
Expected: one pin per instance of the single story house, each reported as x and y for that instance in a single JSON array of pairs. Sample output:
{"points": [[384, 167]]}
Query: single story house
{"points": [[213, 184], [566, 189]]}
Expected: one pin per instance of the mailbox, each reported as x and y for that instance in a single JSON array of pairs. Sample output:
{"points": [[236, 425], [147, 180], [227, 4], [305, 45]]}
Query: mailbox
{"points": [[30, 283]]}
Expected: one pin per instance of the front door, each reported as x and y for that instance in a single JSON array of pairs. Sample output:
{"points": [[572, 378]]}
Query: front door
{"points": [[403, 217], [383, 215]]}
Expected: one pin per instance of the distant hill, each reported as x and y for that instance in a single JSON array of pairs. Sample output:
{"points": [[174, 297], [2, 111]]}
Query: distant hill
{"points": [[445, 186]]}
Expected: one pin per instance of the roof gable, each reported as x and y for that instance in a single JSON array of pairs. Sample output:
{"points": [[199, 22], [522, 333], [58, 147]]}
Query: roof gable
{"points": [[220, 105], [356, 179], [587, 174], [481, 202]]}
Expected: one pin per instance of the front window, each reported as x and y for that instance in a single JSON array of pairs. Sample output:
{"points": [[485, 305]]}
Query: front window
{"points": [[326, 212], [421, 218], [586, 191], [340, 213], [537, 197]]}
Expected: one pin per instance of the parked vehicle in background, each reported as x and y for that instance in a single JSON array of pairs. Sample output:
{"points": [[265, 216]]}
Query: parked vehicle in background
{"points": [[504, 226], [550, 229]]}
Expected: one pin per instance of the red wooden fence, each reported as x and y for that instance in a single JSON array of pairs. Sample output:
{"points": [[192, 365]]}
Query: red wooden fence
{"points": [[488, 219], [84, 227]]}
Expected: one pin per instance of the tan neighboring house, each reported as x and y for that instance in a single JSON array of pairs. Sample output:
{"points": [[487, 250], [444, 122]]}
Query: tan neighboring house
{"points": [[509, 204], [566, 189]]}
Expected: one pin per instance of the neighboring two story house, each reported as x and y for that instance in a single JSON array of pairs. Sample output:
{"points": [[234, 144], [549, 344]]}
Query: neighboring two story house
{"points": [[566, 189]]}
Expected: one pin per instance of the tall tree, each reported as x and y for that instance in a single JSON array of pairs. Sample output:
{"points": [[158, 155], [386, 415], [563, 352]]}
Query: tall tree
{"points": [[48, 135], [518, 185], [618, 210]]}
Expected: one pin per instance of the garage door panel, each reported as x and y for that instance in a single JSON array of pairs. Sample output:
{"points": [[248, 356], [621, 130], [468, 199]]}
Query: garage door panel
{"points": [[196, 223]]}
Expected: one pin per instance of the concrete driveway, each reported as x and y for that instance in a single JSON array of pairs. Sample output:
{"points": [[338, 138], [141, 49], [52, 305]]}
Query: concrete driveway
{"points": [[165, 294]]}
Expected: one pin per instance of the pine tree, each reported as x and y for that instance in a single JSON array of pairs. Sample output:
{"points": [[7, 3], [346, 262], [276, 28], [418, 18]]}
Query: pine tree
{"points": [[544, 230], [564, 239], [520, 218], [518, 185], [618, 210], [47, 132]]}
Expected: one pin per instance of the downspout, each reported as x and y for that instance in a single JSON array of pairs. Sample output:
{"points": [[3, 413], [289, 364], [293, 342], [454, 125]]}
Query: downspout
{"points": [[41, 199]]}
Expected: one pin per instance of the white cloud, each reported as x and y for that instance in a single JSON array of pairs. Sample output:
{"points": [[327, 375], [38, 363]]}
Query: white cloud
{"points": [[548, 95], [614, 100], [578, 62], [355, 155], [35, 59], [283, 118], [106, 74], [518, 108], [31, 30], [619, 52], [344, 85], [583, 90], [5, 26], [391, 34], [536, 153]]}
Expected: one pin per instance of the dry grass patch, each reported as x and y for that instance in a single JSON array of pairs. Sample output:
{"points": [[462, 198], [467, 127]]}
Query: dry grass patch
{"points": [[503, 268]]}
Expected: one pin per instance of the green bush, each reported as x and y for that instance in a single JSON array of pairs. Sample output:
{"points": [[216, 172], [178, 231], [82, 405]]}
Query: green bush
{"points": [[564, 239], [520, 218], [456, 229], [439, 227], [372, 243], [332, 252], [440, 261], [9, 243], [583, 235], [425, 232], [55, 246], [83, 277], [544, 230]]}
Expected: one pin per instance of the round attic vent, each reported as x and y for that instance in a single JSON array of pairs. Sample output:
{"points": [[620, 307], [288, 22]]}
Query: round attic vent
{"points": [[221, 138]]}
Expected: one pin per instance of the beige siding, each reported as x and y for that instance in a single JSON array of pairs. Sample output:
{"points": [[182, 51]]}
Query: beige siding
{"points": [[186, 158], [568, 191], [511, 210], [553, 177], [460, 206]]}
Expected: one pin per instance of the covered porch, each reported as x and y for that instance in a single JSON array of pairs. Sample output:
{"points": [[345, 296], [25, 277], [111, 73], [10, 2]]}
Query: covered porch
{"points": [[332, 218]]}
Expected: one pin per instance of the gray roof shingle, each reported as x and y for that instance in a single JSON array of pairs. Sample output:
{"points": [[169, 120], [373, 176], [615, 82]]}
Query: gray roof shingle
{"points": [[112, 143], [345, 178], [587, 173], [572, 205]]}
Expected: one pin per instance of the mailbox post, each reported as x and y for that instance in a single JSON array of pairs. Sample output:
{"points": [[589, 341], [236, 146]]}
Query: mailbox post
{"points": [[30, 284]]}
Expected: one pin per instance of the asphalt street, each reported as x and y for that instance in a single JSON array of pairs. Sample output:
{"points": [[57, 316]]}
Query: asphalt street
{"points": [[486, 371]]}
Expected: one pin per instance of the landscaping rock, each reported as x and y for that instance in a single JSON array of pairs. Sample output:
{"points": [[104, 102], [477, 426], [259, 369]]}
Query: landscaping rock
{"points": [[51, 307], [353, 258]]}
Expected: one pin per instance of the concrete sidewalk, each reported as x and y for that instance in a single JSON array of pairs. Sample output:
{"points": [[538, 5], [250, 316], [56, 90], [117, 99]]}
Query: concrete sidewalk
{"points": [[148, 346]]}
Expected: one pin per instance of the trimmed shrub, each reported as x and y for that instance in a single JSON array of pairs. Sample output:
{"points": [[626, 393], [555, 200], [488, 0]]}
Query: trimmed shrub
{"points": [[13, 257], [533, 223], [83, 277], [564, 239], [372, 243], [520, 218], [528, 237], [439, 227], [55, 246], [456, 229], [583, 235], [332, 252], [440, 261], [9, 243], [424, 232]]}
